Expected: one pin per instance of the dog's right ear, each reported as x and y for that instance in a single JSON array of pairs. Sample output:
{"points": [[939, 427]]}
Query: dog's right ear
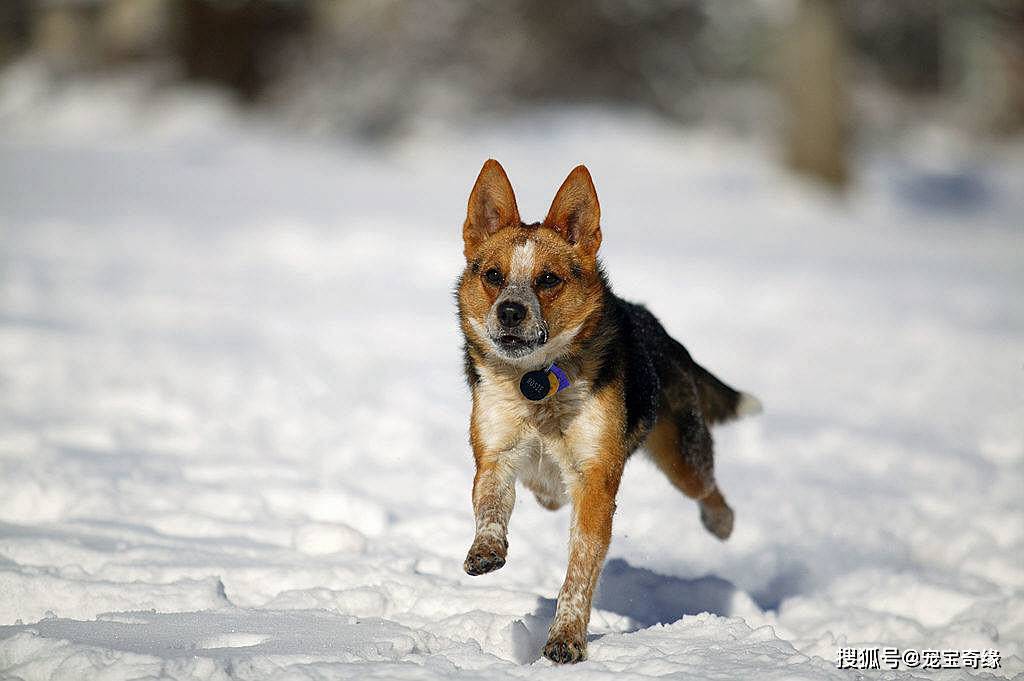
{"points": [[492, 206]]}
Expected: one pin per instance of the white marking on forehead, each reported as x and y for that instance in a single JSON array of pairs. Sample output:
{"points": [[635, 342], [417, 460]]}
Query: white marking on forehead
{"points": [[522, 262]]}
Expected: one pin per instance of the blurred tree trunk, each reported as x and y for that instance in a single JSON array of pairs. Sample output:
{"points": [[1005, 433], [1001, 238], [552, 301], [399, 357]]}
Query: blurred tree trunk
{"points": [[813, 92], [1013, 59], [14, 28], [64, 35], [989, 46], [129, 29], [220, 43], [236, 43]]}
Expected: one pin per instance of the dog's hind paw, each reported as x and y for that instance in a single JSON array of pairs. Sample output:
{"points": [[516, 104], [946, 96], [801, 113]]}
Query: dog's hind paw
{"points": [[717, 520]]}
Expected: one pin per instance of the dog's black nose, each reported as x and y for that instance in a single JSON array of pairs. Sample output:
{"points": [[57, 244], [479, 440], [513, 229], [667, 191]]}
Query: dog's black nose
{"points": [[511, 314]]}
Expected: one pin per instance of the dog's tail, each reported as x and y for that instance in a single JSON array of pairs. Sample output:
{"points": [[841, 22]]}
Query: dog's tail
{"points": [[721, 403]]}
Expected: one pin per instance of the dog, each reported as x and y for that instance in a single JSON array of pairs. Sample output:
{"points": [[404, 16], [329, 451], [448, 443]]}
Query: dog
{"points": [[568, 380]]}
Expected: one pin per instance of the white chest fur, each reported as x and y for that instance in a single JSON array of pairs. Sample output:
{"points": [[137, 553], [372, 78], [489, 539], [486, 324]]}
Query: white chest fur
{"points": [[549, 442]]}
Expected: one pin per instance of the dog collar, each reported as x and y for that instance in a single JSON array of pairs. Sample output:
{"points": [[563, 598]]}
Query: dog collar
{"points": [[536, 385]]}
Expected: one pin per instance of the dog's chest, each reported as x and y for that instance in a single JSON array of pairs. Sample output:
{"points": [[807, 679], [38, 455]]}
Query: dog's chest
{"points": [[543, 437], [555, 415]]}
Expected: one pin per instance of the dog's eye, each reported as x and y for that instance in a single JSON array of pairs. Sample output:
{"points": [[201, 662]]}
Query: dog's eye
{"points": [[548, 280], [493, 277]]}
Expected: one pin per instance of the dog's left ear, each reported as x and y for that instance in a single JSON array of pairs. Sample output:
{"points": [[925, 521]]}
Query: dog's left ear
{"points": [[575, 212]]}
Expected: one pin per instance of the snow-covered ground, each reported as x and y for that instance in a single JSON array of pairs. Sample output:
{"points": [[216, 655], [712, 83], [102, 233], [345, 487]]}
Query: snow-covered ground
{"points": [[233, 419]]}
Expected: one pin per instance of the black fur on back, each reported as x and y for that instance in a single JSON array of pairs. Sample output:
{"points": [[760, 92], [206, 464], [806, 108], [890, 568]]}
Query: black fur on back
{"points": [[628, 337], [658, 372]]}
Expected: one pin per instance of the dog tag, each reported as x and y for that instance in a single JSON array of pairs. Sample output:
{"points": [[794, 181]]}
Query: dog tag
{"points": [[536, 385]]}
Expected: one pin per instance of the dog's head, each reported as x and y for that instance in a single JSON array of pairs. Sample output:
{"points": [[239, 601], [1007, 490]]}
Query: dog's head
{"points": [[529, 289]]}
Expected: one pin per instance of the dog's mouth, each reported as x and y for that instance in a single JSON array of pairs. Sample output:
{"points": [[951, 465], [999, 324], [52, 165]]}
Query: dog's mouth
{"points": [[514, 345]]}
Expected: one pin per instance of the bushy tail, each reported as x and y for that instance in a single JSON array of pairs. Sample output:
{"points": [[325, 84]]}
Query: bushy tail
{"points": [[721, 403]]}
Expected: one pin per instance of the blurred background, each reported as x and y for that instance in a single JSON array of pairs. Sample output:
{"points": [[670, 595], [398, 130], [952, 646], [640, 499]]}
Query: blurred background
{"points": [[819, 78], [231, 373]]}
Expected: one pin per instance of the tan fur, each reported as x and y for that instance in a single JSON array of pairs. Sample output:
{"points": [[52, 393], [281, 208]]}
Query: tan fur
{"points": [[492, 207], [663, 445], [571, 446], [567, 307], [593, 504]]}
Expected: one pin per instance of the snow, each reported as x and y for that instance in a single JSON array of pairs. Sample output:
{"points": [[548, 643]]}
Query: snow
{"points": [[233, 420]]}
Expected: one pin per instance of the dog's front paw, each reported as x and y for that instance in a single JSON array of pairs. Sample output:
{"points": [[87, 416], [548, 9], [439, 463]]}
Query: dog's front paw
{"points": [[565, 649], [484, 557]]}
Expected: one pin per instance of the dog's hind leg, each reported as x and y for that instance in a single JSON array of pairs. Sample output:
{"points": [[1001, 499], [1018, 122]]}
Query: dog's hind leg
{"points": [[682, 448]]}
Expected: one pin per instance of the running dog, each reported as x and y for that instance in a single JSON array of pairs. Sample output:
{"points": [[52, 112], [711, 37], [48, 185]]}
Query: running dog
{"points": [[568, 380]]}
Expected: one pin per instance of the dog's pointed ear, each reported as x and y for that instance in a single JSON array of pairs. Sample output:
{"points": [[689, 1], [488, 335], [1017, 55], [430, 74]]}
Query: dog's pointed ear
{"points": [[575, 212], [492, 206]]}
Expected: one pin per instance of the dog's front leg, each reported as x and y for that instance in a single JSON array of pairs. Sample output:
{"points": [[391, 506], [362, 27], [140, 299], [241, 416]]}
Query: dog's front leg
{"points": [[593, 504], [494, 495]]}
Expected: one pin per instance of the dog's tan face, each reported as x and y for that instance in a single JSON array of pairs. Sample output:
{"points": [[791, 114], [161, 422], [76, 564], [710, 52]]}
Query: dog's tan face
{"points": [[529, 290]]}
